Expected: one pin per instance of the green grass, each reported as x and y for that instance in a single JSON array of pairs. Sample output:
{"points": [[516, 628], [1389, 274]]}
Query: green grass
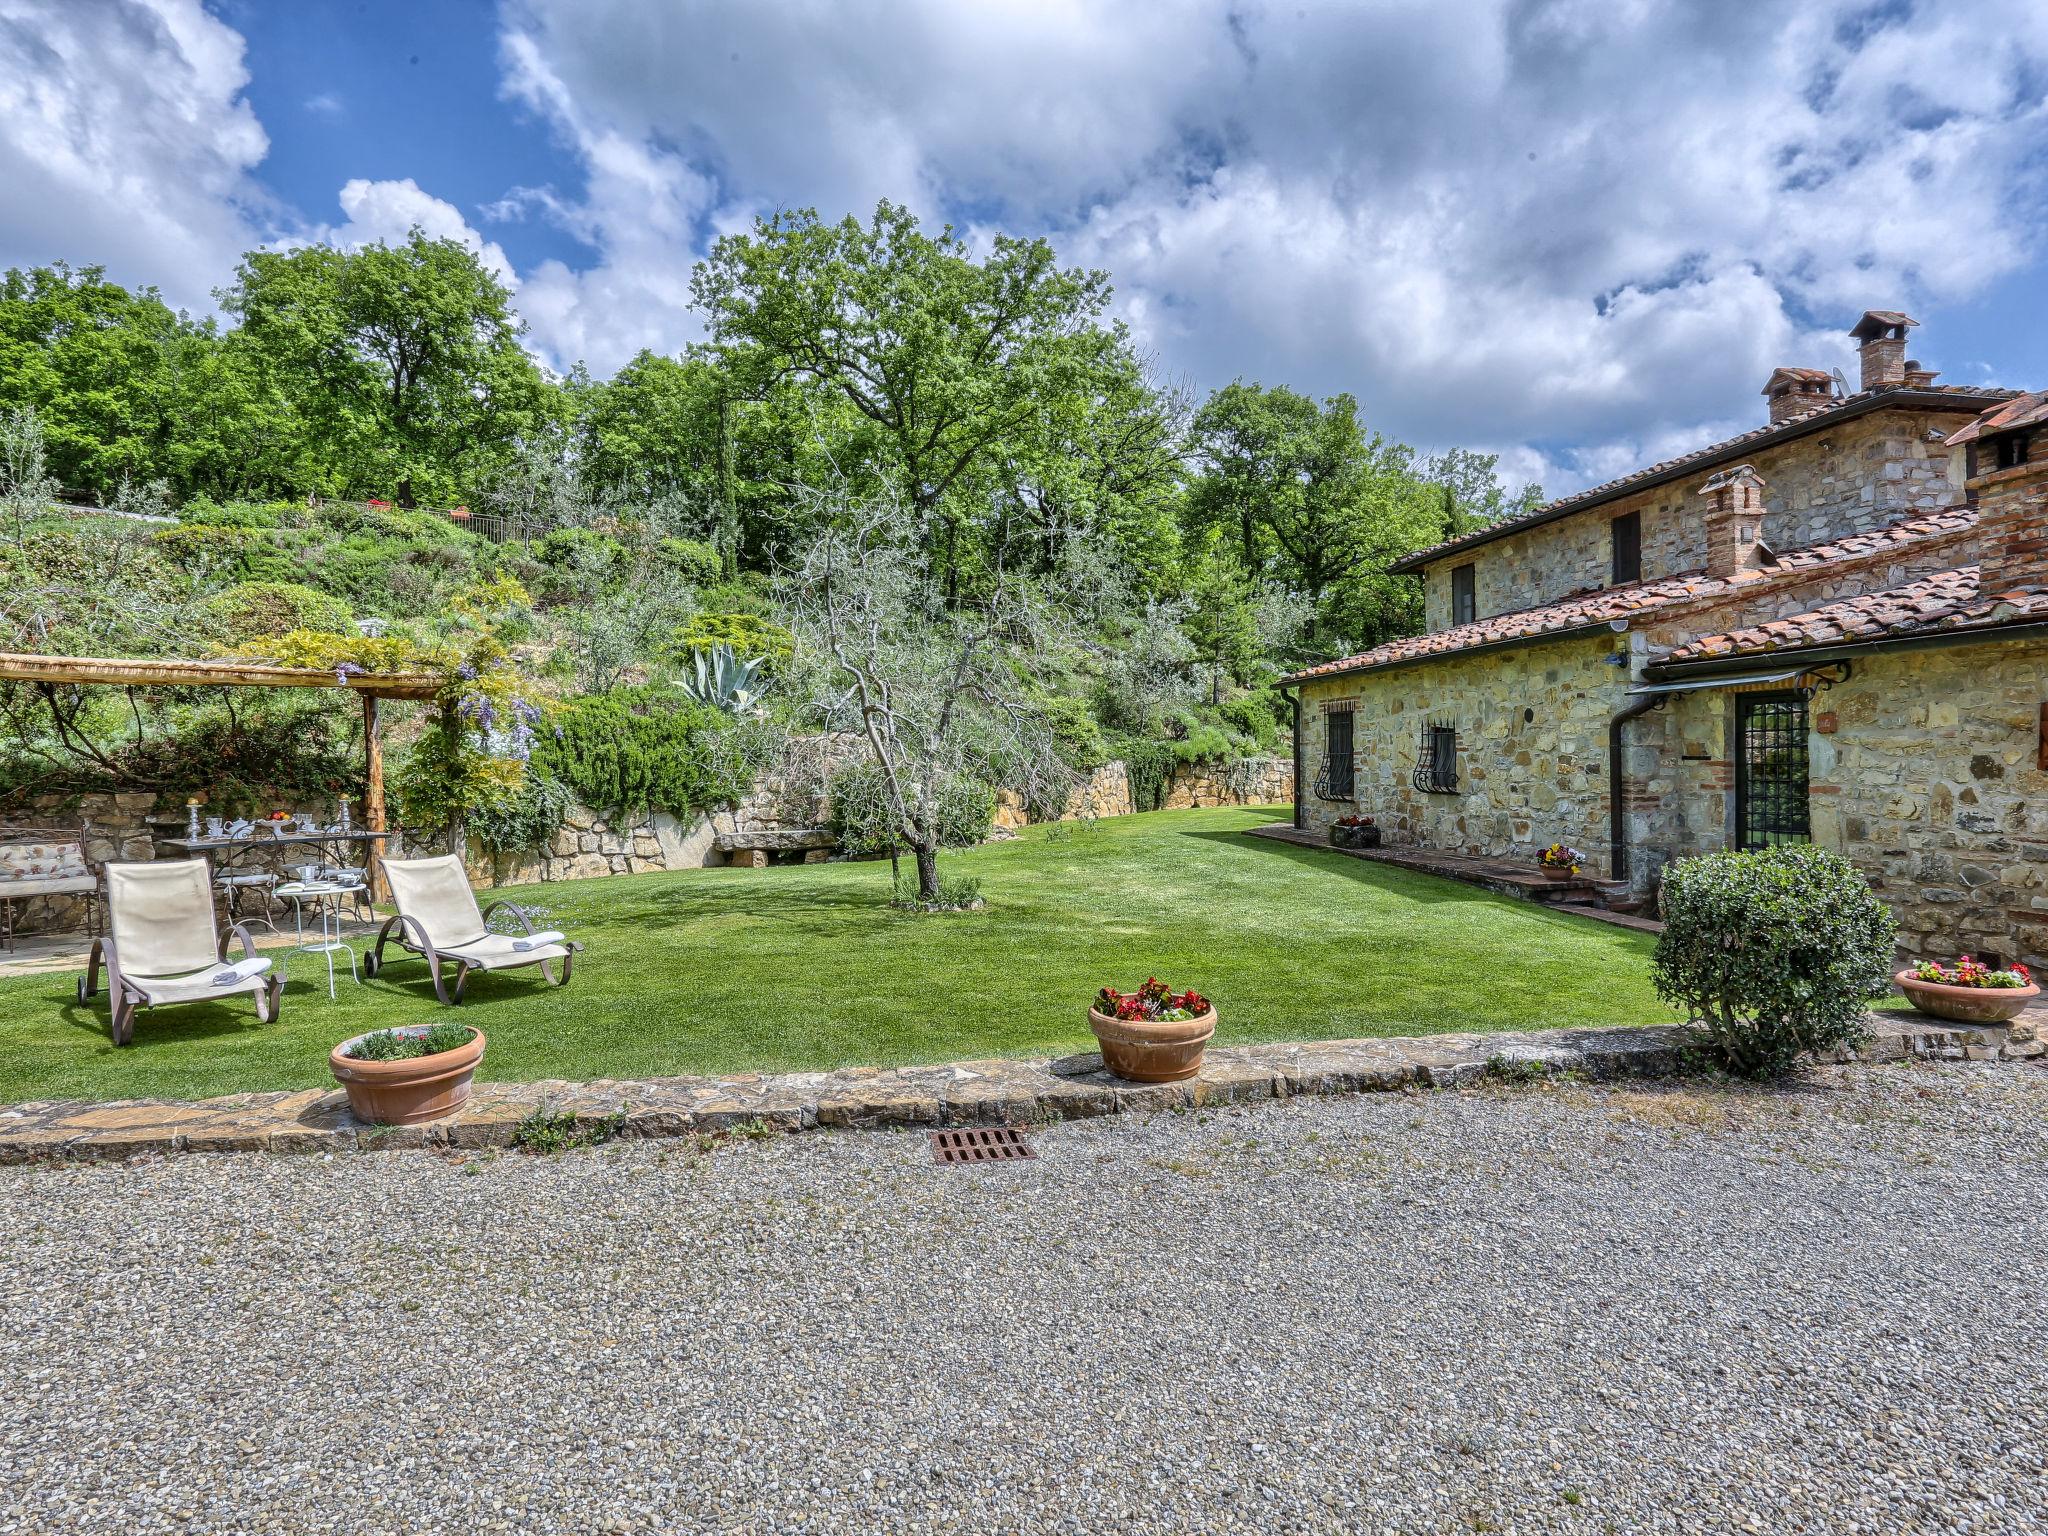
{"points": [[727, 970]]}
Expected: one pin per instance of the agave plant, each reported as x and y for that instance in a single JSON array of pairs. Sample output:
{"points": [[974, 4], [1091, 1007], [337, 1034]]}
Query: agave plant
{"points": [[719, 678]]}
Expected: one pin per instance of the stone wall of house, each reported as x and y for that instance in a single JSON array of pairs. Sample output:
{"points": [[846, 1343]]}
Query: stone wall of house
{"points": [[1531, 746], [1928, 771], [1855, 477]]}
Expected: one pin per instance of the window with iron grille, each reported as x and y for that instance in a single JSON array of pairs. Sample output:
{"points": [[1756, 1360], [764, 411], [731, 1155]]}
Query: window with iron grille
{"points": [[1464, 595], [1337, 780], [1771, 770], [1436, 765]]}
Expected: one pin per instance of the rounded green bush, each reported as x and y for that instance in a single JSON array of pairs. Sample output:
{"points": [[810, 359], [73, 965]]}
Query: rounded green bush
{"points": [[265, 609], [1774, 953]]}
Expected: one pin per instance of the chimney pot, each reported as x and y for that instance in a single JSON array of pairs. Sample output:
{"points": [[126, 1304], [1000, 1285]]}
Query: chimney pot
{"points": [[1919, 376], [1795, 391], [1881, 334]]}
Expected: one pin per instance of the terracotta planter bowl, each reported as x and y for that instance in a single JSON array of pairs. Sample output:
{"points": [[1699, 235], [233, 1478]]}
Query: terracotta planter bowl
{"points": [[1148, 1051], [407, 1092], [1965, 1005]]}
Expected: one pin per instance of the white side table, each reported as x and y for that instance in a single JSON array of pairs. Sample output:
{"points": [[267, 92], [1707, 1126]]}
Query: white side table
{"points": [[325, 898]]}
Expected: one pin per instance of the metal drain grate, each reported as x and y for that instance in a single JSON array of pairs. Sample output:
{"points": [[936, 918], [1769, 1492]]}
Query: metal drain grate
{"points": [[1000, 1145]]}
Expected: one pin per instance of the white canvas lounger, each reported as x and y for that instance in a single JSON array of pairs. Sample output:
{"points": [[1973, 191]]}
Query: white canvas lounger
{"points": [[438, 920], [161, 946]]}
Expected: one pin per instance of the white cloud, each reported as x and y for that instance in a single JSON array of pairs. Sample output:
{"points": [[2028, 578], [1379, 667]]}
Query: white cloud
{"points": [[388, 211], [125, 141], [1581, 223]]}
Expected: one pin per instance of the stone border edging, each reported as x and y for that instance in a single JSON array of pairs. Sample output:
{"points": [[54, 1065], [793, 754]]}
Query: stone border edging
{"points": [[961, 1093]]}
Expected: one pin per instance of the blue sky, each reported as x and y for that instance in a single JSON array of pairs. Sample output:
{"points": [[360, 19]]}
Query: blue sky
{"points": [[1574, 232]]}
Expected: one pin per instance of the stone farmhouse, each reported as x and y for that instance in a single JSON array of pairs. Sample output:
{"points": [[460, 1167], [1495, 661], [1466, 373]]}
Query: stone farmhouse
{"points": [[1831, 628]]}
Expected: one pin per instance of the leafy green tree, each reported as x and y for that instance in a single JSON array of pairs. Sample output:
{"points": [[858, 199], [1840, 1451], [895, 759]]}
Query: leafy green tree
{"points": [[1223, 619], [403, 361], [946, 362], [1469, 493], [1107, 465], [1314, 503]]}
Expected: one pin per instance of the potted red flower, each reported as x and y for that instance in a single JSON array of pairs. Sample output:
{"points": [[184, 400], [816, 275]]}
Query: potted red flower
{"points": [[1968, 992], [1354, 832], [1152, 1035], [1561, 861]]}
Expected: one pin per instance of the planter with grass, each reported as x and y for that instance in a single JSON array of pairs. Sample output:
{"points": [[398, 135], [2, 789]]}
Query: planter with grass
{"points": [[1968, 992], [405, 1076], [1152, 1035]]}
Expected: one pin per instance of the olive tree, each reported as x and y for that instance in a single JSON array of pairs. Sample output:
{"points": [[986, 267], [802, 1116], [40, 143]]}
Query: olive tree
{"points": [[26, 486], [939, 692]]}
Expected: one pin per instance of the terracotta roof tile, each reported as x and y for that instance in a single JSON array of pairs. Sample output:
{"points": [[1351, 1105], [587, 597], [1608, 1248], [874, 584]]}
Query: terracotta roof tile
{"points": [[1584, 610], [1937, 604], [1635, 479], [2023, 411]]}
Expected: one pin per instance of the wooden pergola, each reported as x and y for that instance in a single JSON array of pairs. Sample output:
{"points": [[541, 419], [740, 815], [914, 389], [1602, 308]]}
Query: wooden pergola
{"points": [[122, 672]]}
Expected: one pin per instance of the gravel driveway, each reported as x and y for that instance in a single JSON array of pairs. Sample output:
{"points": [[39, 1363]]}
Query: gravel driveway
{"points": [[1662, 1308]]}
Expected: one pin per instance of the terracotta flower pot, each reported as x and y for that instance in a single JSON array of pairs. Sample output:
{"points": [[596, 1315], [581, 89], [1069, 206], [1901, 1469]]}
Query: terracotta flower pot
{"points": [[407, 1092], [1965, 1005], [1153, 1050]]}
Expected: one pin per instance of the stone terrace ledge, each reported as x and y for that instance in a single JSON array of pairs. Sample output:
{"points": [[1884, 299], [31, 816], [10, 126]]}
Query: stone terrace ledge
{"points": [[963, 1093]]}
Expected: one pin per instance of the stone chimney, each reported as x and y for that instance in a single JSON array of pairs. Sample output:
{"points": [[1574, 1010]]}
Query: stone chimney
{"points": [[1795, 391], [1881, 333], [1919, 377], [2006, 452], [1734, 522]]}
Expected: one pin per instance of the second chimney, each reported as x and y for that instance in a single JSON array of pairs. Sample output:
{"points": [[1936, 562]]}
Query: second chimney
{"points": [[2008, 468], [1795, 391], [1881, 333], [1735, 521]]}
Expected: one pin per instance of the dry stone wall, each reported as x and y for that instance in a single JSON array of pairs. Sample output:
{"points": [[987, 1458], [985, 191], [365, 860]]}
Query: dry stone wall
{"points": [[1107, 790]]}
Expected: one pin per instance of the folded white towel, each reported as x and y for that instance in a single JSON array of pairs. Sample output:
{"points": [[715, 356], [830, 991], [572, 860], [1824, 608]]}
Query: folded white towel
{"points": [[240, 971], [539, 940]]}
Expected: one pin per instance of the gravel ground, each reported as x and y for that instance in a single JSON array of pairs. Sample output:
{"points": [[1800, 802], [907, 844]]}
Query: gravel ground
{"points": [[1660, 1308]]}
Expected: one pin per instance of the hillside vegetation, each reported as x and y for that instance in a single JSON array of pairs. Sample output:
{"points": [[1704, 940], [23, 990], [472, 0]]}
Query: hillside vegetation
{"points": [[1096, 563]]}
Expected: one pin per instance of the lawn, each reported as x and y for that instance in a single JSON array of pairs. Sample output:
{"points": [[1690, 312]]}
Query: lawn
{"points": [[729, 970]]}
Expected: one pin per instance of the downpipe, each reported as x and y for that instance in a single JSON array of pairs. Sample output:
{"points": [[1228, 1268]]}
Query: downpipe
{"points": [[1617, 783], [1294, 704]]}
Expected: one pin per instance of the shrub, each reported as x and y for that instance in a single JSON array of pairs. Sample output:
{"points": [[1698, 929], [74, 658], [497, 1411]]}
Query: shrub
{"points": [[272, 608], [749, 635], [692, 559], [524, 821], [1774, 953], [204, 512], [641, 750], [859, 811]]}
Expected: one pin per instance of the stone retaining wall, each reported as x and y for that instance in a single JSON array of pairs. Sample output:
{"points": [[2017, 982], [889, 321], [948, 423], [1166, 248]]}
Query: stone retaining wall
{"points": [[1107, 791]]}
